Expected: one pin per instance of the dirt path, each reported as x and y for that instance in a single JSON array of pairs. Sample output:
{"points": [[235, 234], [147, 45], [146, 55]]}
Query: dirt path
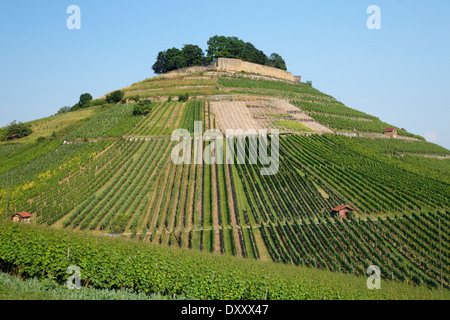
{"points": [[263, 254], [215, 209], [424, 155]]}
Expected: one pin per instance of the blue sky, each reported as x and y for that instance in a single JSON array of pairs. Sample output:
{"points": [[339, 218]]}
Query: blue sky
{"points": [[399, 73]]}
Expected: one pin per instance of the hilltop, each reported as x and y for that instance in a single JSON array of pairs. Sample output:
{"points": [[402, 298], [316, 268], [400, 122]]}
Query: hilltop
{"points": [[106, 171]]}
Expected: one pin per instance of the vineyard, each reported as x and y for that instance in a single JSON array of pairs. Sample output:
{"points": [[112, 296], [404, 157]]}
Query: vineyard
{"points": [[149, 269], [111, 174]]}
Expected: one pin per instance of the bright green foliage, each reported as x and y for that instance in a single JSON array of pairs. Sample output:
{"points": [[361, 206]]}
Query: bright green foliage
{"points": [[22, 154], [14, 288], [113, 122], [115, 263], [292, 125], [332, 107], [142, 108]]}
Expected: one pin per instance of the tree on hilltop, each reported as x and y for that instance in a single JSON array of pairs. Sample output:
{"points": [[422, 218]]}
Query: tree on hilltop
{"points": [[84, 100], [192, 55], [173, 59], [251, 54], [218, 47], [232, 47], [225, 47], [276, 61]]}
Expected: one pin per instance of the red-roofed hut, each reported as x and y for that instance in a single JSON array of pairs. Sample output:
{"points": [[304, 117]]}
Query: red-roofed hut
{"points": [[22, 217]]}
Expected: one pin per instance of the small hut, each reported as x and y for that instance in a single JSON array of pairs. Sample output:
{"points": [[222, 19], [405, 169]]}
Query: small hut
{"points": [[392, 132], [341, 211], [22, 217]]}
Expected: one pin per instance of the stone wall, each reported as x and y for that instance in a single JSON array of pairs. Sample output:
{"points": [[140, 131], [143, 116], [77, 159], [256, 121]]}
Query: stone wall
{"points": [[236, 65]]}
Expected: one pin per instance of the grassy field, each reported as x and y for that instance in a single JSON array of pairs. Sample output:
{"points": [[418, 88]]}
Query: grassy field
{"points": [[57, 123], [15, 288], [292, 125]]}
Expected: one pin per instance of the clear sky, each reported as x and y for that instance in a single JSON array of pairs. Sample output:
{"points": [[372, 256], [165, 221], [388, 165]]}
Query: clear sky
{"points": [[399, 73]]}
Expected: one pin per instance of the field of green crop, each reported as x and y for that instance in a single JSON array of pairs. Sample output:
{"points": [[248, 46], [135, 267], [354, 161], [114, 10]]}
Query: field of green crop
{"points": [[116, 177], [108, 263]]}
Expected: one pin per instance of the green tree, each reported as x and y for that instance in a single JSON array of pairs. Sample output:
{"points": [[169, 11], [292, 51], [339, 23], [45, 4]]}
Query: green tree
{"points": [[169, 60], [192, 55], [115, 96], [175, 59], [3, 133], [160, 66], [183, 97], [251, 54], [85, 98], [143, 107], [63, 110], [18, 130], [225, 47], [276, 61], [75, 107]]}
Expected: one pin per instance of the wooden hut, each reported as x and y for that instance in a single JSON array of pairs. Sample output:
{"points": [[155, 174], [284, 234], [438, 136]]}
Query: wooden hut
{"points": [[22, 217], [341, 211]]}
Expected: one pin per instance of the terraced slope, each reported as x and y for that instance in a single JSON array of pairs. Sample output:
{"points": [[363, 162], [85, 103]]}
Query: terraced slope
{"points": [[122, 181]]}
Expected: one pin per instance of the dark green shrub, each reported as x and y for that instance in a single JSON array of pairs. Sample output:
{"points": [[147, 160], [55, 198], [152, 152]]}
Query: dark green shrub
{"points": [[97, 102], [63, 110], [115, 96], [16, 130], [75, 107], [183, 97], [143, 107]]}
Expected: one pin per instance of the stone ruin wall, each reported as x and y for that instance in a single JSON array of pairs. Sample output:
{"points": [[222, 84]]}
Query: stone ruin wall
{"points": [[236, 65]]}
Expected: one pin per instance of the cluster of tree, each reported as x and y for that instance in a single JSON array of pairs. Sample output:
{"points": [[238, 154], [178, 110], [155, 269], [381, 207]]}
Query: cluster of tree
{"points": [[233, 47], [86, 101], [142, 108], [172, 59], [15, 130], [218, 47]]}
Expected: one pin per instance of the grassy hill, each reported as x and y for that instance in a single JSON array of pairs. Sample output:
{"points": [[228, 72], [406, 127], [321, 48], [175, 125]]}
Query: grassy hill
{"points": [[115, 176]]}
